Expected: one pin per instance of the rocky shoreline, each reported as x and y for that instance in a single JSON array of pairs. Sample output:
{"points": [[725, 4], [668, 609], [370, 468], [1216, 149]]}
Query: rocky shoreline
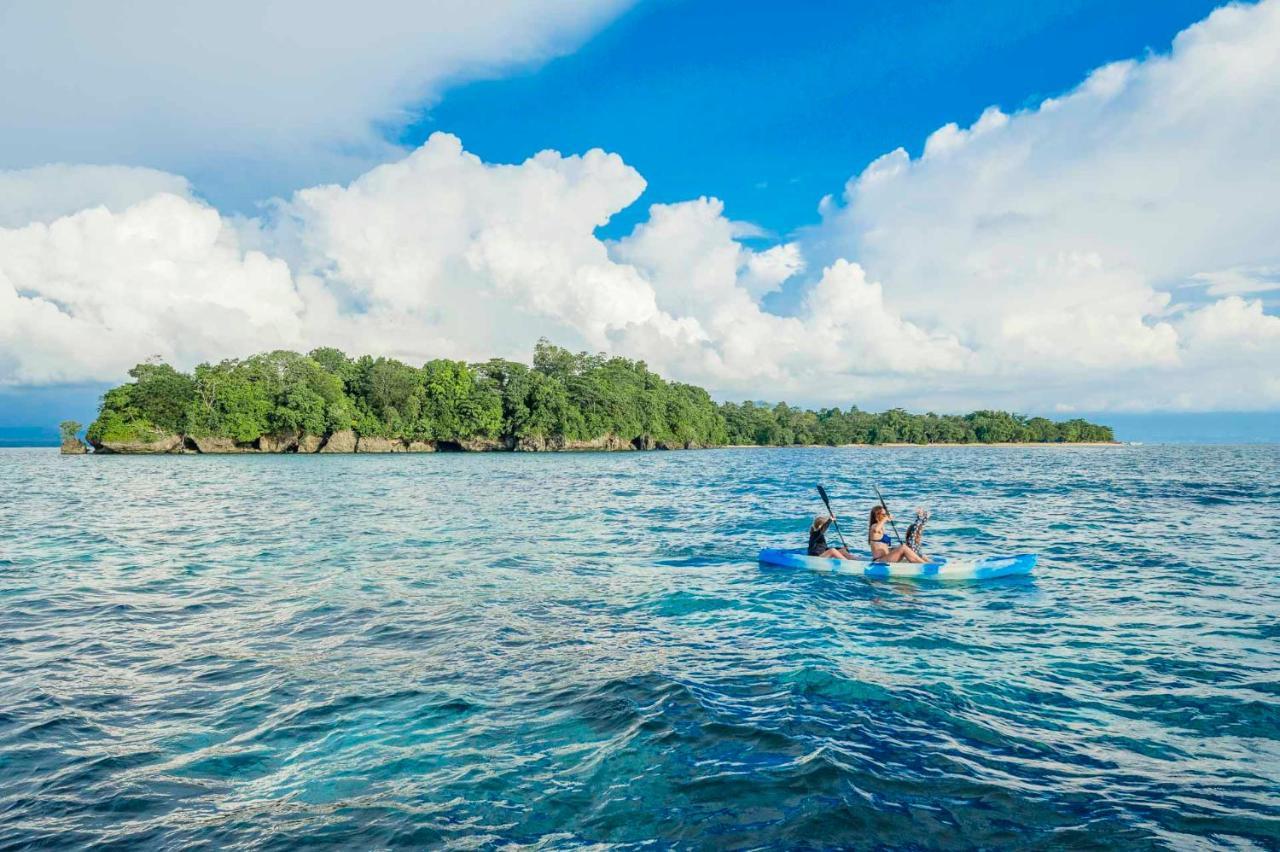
{"points": [[347, 441]]}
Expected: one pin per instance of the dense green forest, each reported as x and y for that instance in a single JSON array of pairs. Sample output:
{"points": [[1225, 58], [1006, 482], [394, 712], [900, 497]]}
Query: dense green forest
{"points": [[563, 399]]}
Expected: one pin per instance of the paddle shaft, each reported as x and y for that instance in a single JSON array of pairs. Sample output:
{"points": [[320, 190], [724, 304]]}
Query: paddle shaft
{"points": [[887, 512], [822, 492]]}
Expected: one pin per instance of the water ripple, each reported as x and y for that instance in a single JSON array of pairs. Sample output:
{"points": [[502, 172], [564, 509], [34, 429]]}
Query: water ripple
{"points": [[486, 650]]}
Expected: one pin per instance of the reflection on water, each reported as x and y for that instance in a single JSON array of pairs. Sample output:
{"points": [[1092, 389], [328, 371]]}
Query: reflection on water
{"points": [[416, 650]]}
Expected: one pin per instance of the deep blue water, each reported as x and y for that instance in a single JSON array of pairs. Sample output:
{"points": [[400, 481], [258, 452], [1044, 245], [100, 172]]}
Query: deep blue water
{"points": [[476, 650]]}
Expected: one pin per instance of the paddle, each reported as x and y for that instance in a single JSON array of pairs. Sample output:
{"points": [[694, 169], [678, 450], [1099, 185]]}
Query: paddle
{"points": [[887, 512], [822, 492]]}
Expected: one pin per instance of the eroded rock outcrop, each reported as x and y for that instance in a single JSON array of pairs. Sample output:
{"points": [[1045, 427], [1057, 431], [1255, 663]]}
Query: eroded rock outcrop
{"points": [[162, 443], [604, 442], [74, 447], [421, 447], [340, 442], [220, 445], [558, 443], [482, 445], [285, 443], [310, 443], [371, 444]]}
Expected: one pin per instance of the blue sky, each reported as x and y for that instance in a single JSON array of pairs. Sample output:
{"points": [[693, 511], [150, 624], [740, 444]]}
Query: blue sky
{"points": [[770, 108], [1055, 208]]}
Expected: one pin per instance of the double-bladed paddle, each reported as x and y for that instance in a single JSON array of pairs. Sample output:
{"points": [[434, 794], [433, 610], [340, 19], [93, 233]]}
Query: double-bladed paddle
{"points": [[822, 492]]}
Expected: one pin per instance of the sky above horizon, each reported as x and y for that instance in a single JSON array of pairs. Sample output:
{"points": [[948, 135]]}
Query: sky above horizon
{"points": [[1067, 207]]}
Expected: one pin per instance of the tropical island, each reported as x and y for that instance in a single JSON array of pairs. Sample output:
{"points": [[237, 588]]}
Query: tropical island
{"points": [[327, 402]]}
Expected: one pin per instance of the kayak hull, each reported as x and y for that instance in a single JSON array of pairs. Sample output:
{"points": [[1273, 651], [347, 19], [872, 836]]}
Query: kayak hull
{"points": [[979, 568]]}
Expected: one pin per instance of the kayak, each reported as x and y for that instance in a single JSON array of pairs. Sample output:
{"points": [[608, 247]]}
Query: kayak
{"points": [[979, 568]]}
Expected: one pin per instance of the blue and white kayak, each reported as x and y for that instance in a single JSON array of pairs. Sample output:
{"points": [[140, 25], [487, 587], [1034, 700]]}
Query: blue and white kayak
{"points": [[980, 568]]}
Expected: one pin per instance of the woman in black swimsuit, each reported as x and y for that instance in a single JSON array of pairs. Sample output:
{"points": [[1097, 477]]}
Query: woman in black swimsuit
{"points": [[818, 540]]}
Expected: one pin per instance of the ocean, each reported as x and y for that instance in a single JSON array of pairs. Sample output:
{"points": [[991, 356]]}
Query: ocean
{"points": [[483, 650]]}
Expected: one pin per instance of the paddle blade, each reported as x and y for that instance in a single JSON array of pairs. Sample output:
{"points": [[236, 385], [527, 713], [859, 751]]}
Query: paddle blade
{"points": [[822, 492]]}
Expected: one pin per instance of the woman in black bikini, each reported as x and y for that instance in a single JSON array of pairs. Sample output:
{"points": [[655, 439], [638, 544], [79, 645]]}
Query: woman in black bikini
{"points": [[818, 540]]}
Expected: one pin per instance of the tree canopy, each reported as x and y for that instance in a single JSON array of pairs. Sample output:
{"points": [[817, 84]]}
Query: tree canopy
{"points": [[761, 423], [561, 395]]}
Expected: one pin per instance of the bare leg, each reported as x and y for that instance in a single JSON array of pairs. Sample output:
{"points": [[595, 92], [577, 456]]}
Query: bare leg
{"points": [[902, 553], [835, 553]]}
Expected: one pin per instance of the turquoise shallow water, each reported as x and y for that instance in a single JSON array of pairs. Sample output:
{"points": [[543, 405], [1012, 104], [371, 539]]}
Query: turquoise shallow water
{"points": [[476, 650]]}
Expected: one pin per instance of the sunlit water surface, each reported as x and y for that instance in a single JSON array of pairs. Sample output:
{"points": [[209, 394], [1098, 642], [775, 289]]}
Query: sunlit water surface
{"points": [[396, 651]]}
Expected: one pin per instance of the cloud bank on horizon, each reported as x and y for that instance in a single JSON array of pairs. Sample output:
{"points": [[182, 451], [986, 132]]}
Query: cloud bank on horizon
{"points": [[1107, 249]]}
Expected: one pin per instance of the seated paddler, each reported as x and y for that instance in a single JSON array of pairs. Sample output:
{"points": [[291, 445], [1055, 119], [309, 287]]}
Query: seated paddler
{"points": [[882, 549], [818, 539]]}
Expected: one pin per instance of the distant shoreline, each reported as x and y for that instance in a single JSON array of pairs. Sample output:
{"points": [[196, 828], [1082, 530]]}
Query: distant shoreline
{"points": [[384, 447], [899, 445]]}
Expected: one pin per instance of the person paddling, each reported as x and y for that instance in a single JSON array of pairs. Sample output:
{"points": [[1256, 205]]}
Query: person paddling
{"points": [[818, 539], [882, 549]]}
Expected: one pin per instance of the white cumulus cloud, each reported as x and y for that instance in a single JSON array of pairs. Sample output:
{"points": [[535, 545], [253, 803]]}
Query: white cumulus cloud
{"points": [[1052, 241], [440, 254], [844, 336], [50, 192], [1103, 250], [89, 295], [250, 99]]}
